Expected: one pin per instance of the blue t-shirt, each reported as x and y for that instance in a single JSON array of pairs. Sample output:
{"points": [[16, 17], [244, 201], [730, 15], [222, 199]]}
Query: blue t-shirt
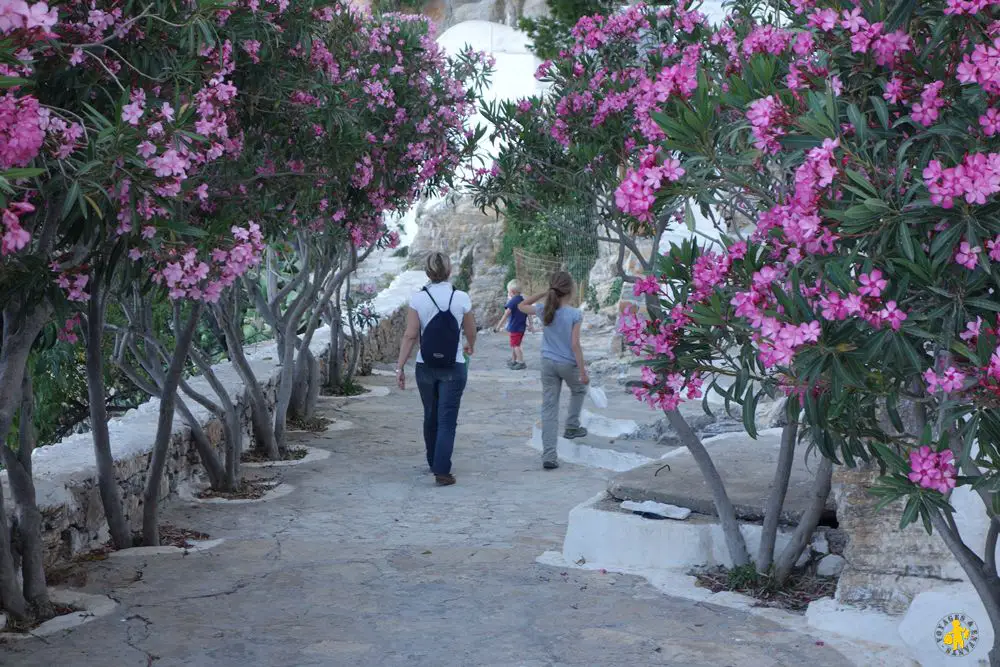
{"points": [[557, 338], [518, 321]]}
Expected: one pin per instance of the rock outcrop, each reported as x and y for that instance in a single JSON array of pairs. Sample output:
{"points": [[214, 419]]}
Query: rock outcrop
{"points": [[455, 226]]}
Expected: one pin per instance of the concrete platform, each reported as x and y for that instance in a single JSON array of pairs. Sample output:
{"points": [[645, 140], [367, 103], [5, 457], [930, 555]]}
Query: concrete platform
{"points": [[600, 531], [747, 467]]}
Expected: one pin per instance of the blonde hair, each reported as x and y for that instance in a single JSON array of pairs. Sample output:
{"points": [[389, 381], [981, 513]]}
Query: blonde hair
{"points": [[438, 267], [514, 286], [561, 285]]}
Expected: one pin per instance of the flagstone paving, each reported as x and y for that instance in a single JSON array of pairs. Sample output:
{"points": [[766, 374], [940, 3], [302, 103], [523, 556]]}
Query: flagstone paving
{"points": [[366, 562]]}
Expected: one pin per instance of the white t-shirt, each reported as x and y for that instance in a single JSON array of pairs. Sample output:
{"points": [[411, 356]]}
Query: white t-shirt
{"points": [[426, 310]]}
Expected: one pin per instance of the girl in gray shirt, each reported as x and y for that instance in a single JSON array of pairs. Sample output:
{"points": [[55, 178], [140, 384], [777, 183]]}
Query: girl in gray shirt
{"points": [[562, 361]]}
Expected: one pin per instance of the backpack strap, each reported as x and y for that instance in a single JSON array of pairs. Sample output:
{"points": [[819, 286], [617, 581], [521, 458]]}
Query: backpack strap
{"points": [[451, 299], [426, 291]]}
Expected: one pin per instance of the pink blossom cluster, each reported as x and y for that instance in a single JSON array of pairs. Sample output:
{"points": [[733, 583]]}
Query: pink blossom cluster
{"points": [[15, 237], [766, 116], [636, 195], [958, 7], [982, 67], [976, 179], [933, 470], [652, 339], [19, 15], [949, 381], [776, 341], [73, 283], [187, 275], [927, 110], [22, 130], [666, 391], [802, 228], [67, 333]]}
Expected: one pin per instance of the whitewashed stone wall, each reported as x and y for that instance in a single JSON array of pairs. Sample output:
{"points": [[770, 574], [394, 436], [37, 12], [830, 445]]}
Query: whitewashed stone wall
{"points": [[66, 476]]}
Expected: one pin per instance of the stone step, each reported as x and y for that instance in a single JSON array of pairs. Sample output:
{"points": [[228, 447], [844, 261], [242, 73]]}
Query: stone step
{"points": [[617, 454], [747, 468]]}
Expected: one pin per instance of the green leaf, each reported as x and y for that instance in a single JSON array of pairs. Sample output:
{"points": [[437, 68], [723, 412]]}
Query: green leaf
{"points": [[985, 304], [750, 412], [905, 240], [881, 110]]}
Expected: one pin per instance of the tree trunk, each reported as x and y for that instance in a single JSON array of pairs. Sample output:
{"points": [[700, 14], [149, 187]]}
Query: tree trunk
{"points": [[776, 500], [165, 427], [312, 390], [334, 369], [234, 450], [723, 506], [298, 407], [96, 392], [214, 469], [260, 416], [807, 522], [357, 344], [29, 518], [987, 584], [11, 598]]}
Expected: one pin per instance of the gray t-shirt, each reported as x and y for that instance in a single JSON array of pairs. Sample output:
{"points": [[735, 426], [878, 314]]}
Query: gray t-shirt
{"points": [[557, 338]]}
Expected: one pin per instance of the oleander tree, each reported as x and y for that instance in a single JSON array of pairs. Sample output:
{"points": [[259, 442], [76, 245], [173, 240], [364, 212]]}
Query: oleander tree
{"points": [[569, 147], [861, 142], [355, 117], [79, 198]]}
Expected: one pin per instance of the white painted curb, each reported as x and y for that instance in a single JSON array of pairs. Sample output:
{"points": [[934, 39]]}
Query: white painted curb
{"points": [[93, 606], [313, 454], [619, 540], [194, 546], [277, 492], [577, 452]]}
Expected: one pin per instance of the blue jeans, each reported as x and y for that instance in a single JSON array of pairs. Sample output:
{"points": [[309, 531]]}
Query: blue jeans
{"points": [[441, 392]]}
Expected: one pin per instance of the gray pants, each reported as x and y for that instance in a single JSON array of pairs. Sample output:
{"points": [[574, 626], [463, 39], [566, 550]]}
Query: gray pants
{"points": [[553, 375]]}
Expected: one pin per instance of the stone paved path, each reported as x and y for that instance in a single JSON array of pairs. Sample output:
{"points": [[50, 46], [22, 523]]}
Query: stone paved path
{"points": [[368, 563]]}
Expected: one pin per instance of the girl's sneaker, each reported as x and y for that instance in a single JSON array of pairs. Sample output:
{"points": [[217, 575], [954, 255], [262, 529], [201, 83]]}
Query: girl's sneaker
{"points": [[519, 366], [511, 364]]}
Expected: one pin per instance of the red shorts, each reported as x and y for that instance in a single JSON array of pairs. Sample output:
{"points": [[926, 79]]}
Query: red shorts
{"points": [[515, 338]]}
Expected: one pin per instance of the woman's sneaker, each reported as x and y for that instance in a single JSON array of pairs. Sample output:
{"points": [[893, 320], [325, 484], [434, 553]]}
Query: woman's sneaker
{"points": [[578, 432], [550, 465], [519, 366]]}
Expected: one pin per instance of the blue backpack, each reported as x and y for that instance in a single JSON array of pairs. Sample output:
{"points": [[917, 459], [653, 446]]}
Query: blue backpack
{"points": [[439, 339]]}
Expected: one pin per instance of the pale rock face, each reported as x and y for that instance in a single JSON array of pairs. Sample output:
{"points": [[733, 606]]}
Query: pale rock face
{"points": [[886, 567], [830, 566], [454, 224]]}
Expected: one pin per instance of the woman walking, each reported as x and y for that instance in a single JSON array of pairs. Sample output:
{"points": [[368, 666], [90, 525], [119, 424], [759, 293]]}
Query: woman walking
{"points": [[562, 361], [433, 320]]}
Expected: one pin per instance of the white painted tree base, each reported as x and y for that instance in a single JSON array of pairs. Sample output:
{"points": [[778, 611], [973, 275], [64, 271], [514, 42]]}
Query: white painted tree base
{"points": [[92, 606], [677, 583], [376, 391], [339, 425], [313, 454], [194, 546], [630, 542], [663, 552], [278, 491], [574, 451]]}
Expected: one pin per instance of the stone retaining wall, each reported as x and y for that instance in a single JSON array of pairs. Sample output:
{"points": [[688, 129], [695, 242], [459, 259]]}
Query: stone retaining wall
{"points": [[66, 476]]}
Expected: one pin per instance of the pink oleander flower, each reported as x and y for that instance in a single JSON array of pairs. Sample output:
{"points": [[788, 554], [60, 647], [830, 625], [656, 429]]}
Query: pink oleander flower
{"points": [[647, 285], [967, 255], [933, 470], [951, 380], [972, 330]]}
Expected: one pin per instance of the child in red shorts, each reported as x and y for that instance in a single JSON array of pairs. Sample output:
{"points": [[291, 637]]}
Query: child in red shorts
{"points": [[516, 322]]}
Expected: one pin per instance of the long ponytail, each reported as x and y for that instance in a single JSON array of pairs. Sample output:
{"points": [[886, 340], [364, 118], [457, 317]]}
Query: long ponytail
{"points": [[560, 286]]}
